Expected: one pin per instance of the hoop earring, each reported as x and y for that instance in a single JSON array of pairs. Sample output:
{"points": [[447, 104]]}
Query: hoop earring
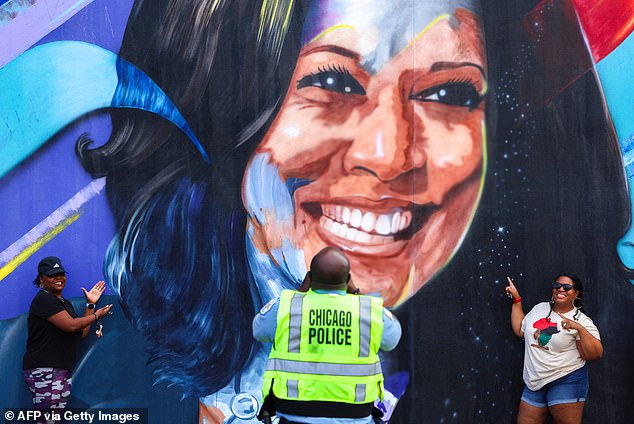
{"points": [[41, 285], [577, 302], [552, 300]]}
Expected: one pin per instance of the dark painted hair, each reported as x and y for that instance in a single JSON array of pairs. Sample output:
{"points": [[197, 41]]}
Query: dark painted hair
{"points": [[555, 197], [178, 260]]}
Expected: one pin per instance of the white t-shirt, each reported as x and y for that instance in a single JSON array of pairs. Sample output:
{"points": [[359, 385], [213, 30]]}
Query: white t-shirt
{"points": [[550, 352]]}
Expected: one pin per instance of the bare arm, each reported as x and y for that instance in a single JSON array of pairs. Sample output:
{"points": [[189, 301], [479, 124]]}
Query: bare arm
{"points": [[517, 315], [517, 312], [92, 297], [65, 322], [88, 313]]}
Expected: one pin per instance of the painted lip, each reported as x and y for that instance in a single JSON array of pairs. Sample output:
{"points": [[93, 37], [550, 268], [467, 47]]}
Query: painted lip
{"points": [[369, 227]]}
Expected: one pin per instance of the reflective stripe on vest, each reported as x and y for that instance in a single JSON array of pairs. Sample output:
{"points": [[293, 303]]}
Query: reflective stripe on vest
{"points": [[292, 388], [321, 368], [364, 329], [359, 393], [295, 322]]}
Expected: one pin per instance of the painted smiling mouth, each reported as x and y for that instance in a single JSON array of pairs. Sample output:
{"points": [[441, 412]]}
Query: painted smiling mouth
{"points": [[370, 227]]}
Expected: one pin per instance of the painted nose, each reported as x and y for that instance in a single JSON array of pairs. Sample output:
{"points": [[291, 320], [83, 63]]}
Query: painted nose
{"points": [[385, 143]]}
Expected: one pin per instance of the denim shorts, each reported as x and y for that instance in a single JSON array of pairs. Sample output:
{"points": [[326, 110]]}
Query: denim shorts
{"points": [[570, 388]]}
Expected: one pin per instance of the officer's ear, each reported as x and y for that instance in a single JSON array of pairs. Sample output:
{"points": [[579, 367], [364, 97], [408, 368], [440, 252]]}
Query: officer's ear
{"points": [[305, 283], [352, 288]]}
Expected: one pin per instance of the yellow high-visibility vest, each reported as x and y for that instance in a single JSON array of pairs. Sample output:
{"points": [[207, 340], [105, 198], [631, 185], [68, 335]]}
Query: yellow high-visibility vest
{"points": [[326, 348]]}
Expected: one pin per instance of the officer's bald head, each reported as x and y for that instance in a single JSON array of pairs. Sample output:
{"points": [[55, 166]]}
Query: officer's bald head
{"points": [[329, 270]]}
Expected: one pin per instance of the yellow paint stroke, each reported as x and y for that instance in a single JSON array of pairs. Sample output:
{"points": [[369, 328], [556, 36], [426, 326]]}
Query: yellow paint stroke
{"points": [[405, 293], [269, 16], [30, 250], [428, 27], [329, 30], [418, 36]]}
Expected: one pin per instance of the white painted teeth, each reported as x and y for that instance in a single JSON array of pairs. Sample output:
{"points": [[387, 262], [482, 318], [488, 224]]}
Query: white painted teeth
{"points": [[345, 215], [383, 225], [354, 224], [355, 218]]}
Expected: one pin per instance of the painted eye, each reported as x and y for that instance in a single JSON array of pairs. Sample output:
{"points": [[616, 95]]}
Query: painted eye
{"points": [[452, 93], [335, 79]]}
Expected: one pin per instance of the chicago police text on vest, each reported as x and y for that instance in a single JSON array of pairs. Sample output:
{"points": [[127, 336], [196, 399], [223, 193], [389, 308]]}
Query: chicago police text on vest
{"points": [[329, 326]]}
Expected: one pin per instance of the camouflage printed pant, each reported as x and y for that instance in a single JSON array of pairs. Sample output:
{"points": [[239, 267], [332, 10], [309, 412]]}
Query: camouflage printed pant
{"points": [[50, 387]]}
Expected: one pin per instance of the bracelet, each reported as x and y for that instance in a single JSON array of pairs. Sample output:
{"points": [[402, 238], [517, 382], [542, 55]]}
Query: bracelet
{"points": [[96, 317], [517, 299]]}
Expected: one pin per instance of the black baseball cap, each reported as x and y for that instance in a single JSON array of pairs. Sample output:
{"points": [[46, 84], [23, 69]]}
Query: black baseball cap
{"points": [[50, 266]]}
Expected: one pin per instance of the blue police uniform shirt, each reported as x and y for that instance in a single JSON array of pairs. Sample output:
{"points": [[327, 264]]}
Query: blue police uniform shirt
{"points": [[265, 325]]}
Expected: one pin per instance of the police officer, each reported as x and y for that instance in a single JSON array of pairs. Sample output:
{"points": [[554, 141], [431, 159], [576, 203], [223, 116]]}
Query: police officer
{"points": [[324, 365]]}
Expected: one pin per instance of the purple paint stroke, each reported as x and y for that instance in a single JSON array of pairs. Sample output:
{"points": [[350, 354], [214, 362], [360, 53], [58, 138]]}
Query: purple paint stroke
{"points": [[68, 209], [30, 24]]}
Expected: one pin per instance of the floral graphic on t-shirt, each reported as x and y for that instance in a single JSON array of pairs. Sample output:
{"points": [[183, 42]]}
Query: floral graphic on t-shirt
{"points": [[545, 330]]}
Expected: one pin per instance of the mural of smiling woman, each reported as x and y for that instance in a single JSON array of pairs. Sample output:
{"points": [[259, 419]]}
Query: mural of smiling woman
{"points": [[355, 124], [380, 141]]}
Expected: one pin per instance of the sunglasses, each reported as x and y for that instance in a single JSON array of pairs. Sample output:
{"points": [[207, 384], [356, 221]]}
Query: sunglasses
{"points": [[556, 286]]}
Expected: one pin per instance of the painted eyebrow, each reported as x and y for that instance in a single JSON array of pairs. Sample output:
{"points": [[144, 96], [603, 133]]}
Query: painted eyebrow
{"points": [[332, 49], [439, 66]]}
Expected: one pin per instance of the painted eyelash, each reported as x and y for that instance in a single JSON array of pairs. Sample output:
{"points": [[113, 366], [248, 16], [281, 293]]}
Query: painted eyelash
{"points": [[337, 69], [466, 81], [454, 82]]}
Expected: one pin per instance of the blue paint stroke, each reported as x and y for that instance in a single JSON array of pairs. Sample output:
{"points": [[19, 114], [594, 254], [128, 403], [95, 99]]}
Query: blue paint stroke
{"points": [[269, 202], [616, 72], [136, 90], [52, 85], [627, 148], [395, 385]]}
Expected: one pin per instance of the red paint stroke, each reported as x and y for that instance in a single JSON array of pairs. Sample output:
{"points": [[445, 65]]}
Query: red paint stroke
{"points": [[606, 24]]}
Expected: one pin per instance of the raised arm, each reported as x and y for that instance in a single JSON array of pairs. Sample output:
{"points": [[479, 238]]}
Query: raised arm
{"points": [[517, 312], [92, 297]]}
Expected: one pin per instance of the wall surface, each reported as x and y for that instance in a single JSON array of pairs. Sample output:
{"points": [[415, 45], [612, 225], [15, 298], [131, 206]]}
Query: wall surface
{"points": [[195, 155]]}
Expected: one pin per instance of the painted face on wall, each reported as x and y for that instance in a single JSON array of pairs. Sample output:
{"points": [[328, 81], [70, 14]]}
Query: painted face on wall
{"points": [[379, 145]]}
